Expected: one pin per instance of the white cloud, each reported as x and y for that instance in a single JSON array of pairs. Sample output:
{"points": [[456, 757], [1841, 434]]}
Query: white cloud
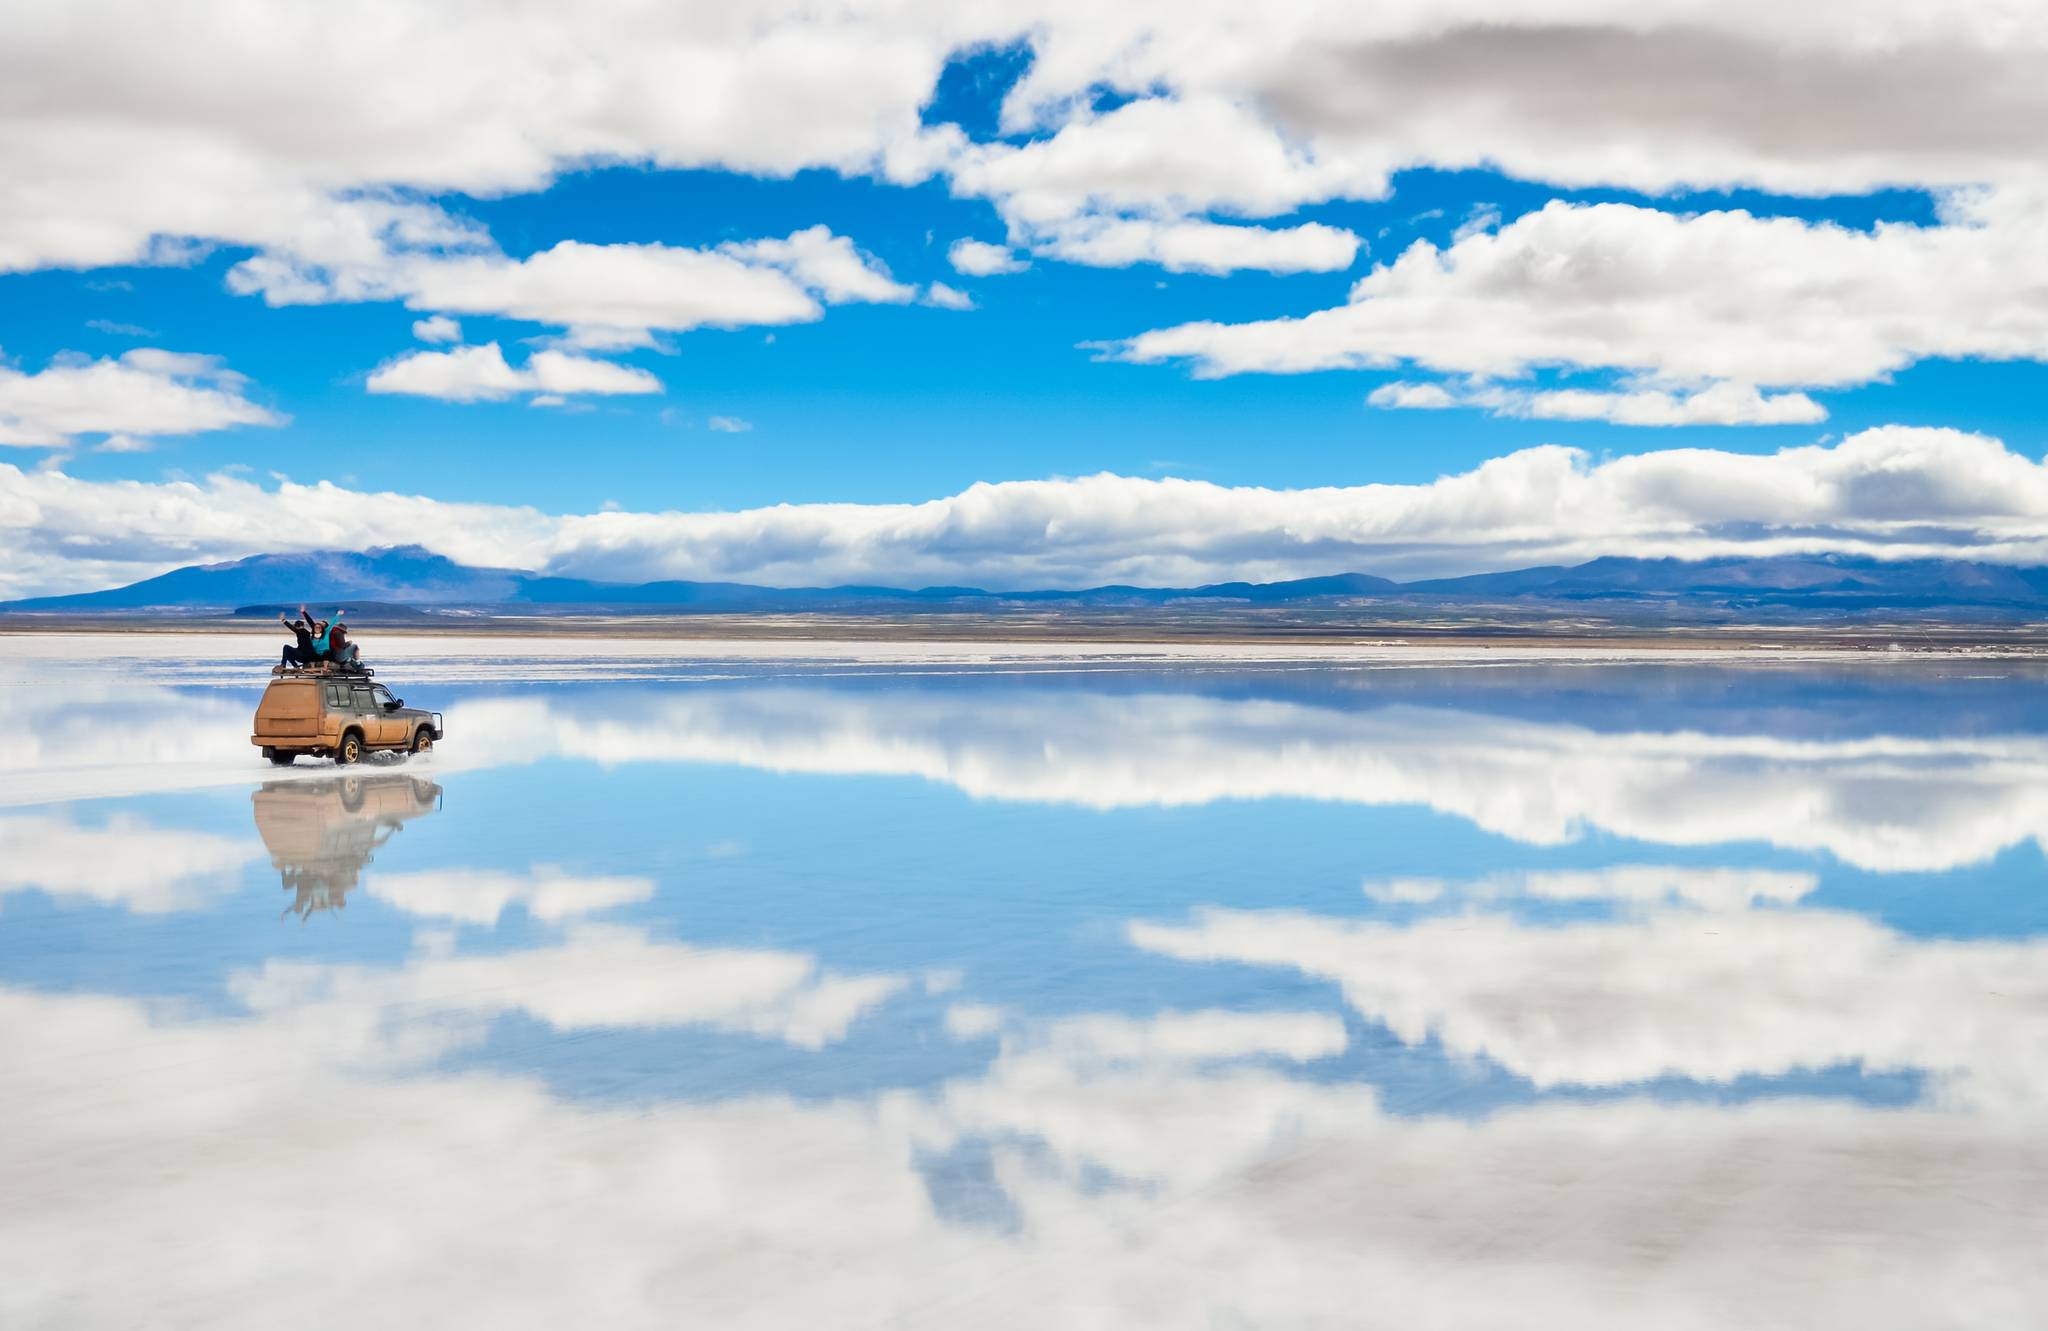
{"points": [[311, 141], [1125, 1179], [947, 298], [1419, 397], [597, 977], [124, 861], [1706, 995], [827, 264], [1716, 404], [285, 135], [1187, 1037], [480, 896], [1161, 157], [437, 328], [145, 394], [1723, 889], [477, 374], [730, 424], [115, 328], [1200, 246], [1722, 296], [1891, 492], [978, 258], [608, 296], [1885, 803], [1600, 93]]}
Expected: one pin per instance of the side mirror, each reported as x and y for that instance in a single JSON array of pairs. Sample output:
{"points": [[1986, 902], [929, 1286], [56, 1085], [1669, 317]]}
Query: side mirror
{"points": [[394, 704]]}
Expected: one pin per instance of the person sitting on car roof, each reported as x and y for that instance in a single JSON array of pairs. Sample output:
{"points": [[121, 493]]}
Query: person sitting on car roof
{"points": [[322, 636], [340, 650], [300, 653]]}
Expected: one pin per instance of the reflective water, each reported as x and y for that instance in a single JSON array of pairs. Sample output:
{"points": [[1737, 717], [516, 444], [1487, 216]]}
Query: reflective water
{"points": [[703, 986]]}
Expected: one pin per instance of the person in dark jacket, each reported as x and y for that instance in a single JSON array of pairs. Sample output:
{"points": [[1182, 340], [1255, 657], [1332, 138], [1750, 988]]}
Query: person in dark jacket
{"points": [[299, 653]]}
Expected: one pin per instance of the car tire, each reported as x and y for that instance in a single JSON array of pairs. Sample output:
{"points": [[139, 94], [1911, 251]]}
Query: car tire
{"points": [[350, 750], [280, 757], [422, 740]]}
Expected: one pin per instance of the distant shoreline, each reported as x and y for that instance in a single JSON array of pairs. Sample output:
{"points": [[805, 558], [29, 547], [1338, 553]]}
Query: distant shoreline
{"points": [[1111, 630]]}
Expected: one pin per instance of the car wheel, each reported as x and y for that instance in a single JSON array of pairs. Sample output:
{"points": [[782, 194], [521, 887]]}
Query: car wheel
{"points": [[280, 757], [351, 750], [422, 740]]}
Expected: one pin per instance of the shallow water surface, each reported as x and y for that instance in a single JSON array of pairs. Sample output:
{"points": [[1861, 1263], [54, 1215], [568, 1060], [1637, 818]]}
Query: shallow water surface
{"points": [[792, 989]]}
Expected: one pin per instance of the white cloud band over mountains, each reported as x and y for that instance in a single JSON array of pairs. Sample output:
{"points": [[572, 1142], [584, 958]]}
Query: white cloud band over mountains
{"points": [[1892, 492]]}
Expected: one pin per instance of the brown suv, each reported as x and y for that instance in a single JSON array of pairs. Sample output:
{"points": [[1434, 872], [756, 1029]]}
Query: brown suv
{"points": [[340, 717]]}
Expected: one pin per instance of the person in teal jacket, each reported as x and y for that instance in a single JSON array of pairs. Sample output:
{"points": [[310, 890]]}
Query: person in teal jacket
{"points": [[323, 637]]}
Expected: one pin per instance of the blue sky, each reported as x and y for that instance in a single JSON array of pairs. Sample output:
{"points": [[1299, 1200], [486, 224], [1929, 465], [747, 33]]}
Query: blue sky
{"points": [[1786, 262]]}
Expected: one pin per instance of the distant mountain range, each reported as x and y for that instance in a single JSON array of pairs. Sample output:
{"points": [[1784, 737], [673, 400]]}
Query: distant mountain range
{"points": [[409, 581]]}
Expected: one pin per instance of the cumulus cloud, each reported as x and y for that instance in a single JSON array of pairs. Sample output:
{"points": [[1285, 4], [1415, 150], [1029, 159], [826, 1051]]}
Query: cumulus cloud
{"points": [[480, 896], [1128, 187], [1201, 246], [1602, 95], [1124, 1177], [1709, 996], [608, 296], [826, 264], [1156, 156], [1716, 404], [313, 141], [1891, 492], [947, 298], [1172, 1037], [124, 861], [979, 258], [289, 135], [1883, 803], [1722, 298], [437, 328], [473, 374], [1725, 889], [142, 395], [597, 977]]}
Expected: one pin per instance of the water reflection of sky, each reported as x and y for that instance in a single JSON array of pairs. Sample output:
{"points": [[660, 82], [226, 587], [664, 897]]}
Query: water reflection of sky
{"points": [[1592, 995]]}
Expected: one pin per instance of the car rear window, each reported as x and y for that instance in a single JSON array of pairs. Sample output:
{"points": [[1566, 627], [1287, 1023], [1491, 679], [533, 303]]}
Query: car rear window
{"points": [[289, 700], [337, 695]]}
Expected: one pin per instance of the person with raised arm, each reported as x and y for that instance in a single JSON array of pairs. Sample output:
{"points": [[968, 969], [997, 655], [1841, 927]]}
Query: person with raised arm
{"points": [[301, 652], [323, 629]]}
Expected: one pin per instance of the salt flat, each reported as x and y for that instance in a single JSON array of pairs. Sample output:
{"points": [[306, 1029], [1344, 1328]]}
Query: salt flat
{"points": [[943, 985]]}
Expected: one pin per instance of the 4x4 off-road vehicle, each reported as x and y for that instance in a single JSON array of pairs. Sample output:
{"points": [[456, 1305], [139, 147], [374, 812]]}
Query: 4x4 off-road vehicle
{"points": [[338, 716]]}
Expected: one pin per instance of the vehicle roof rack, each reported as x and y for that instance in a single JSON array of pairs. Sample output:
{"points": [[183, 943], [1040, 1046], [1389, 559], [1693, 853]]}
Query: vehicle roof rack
{"points": [[323, 670]]}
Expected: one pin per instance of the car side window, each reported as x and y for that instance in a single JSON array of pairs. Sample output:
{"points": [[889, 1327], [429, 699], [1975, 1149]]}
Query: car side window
{"points": [[337, 695], [382, 695], [364, 702]]}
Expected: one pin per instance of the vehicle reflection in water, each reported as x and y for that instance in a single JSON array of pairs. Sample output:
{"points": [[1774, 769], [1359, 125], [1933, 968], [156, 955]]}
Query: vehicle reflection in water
{"points": [[321, 834]]}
